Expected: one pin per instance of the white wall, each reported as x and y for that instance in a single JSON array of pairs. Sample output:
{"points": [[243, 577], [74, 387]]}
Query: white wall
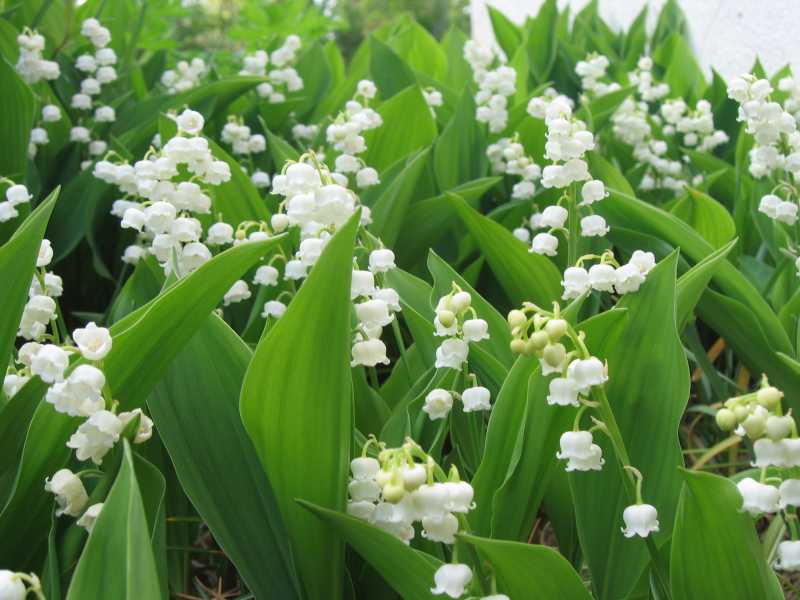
{"points": [[726, 33]]}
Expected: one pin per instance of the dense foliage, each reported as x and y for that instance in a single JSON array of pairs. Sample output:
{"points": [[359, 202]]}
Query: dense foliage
{"points": [[323, 301]]}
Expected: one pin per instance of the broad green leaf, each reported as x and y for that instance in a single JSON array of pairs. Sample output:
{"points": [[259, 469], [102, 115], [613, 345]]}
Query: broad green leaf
{"points": [[395, 139], [389, 211], [280, 150], [542, 41], [419, 49], [648, 387], [238, 199], [507, 34], [118, 558], [683, 74], [196, 402], [296, 406], [390, 73], [16, 122], [522, 274], [706, 216], [599, 110], [715, 551], [459, 155], [408, 571], [530, 571], [315, 70], [692, 284], [17, 267]]}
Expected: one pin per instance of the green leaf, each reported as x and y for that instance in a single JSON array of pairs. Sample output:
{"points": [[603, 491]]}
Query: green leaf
{"points": [[118, 559], [530, 571], [17, 266], [522, 274], [389, 211], [459, 154], [408, 571], [542, 41], [16, 122], [195, 410], [693, 283], [280, 150], [507, 34], [238, 199], [395, 139], [296, 407], [706, 216], [390, 73], [715, 550], [648, 387], [419, 49], [147, 339]]}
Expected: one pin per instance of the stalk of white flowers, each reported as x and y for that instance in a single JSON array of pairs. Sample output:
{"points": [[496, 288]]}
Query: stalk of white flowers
{"points": [[607, 275], [508, 156], [15, 195], [185, 76], [30, 65], [495, 85], [282, 76], [592, 71]]}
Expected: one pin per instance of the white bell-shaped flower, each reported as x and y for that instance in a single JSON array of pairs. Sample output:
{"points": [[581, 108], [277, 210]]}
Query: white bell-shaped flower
{"points": [[451, 580], [602, 277], [413, 476], [640, 519], [791, 447], [219, 234], [238, 292], [94, 342], [364, 490], [373, 313], [576, 282], [585, 373], [592, 191], [545, 243], [459, 496], [758, 498], [11, 586], [438, 403], [361, 509], [788, 558], [145, 429], [452, 354], [69, 491], [789, 492], [475, 330], [629, 279], [49, 363], [89, 517], [645, 261], [429, 501], [381, 260], [364, 467], [554, 216], [45, 254], [769, 453], [440, 529], [563, 392], [369, 353], [476, 398], [96, 436], [395, 519], [362, 284], [579, 451], [12, 383], [593, 226]]}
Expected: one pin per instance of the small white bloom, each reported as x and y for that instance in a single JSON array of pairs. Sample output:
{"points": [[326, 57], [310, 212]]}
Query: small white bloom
{"points": [[295, 269], [369, 353], [640, 519], [362, 284], [238, 292], [769, 453], [190, 122], [476, 398], [475, 330], [11, 586], [579, 451], [592, 191], [563, 392], [644, 260], [593, 226], [381, 260], [51, 113], [274, 309], [89, 517], [18, 194], [554, 216], [790, 493], [69, 491], [758, 497], [266, 275], [219, 233], [49, 362], [451, 580], [145, 429], [438, 403], [13, 383], [545, 243], [440, 529], [96, 436], [629, 279], [45, 255], [452, 354], [364, 468], [367, 177], [94, 342], [788, 556], [586, 373]]}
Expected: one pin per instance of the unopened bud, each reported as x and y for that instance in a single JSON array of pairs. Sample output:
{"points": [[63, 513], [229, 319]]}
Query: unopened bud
{"points": [[240, 234], [778, 428], [517, 318], [769, 397], [460, 301], [446, 318], [726, 419], [517, 346], [393, 491], [383, 477], [554, 355], [556, 328], [279, 222], [540, 339], [754, 426], [741, 412]]}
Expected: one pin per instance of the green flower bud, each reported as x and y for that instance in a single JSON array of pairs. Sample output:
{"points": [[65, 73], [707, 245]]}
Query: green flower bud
{"points": [[769, 397], [539, 339], [778, 428], [517, 346], [393, 491], [446, 318], [530, 348], [554, 355], [754, 426], [741, 412], [517, 318], [556, 328], [726, 419]]}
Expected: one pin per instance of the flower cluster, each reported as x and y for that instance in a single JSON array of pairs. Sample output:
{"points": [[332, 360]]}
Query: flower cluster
{"points": [[607, 275], [696, 126], [283, 77], [579, 381], [185, 76], [433, 98], [457, 321], [776, 445], [399, 488], [345, 136], [98, 70], [39, 134], [241, 139], [15, 195], [646, 87], [31, 66], [164, 220], [592, 71], [507, 155], [495, 85], [40, 310]]}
